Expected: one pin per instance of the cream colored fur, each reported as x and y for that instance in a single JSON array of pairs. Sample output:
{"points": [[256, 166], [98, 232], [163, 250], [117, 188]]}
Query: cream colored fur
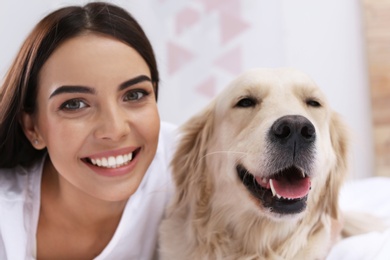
{"points": [[212, 215]]}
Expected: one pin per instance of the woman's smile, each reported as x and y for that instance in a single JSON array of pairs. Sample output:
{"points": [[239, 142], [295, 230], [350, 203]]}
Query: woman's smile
{"points": [[113, 163]]}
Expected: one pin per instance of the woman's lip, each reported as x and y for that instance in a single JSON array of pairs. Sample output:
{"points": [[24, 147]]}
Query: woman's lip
{"points": [[113, 153]]}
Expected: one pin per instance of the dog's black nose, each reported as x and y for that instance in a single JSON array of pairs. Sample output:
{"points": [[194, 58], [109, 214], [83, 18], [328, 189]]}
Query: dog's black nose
{"points": [[293, 128]]}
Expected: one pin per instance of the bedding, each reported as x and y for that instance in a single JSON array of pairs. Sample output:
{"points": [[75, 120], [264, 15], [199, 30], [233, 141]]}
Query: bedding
{"points": [[370, 195]]}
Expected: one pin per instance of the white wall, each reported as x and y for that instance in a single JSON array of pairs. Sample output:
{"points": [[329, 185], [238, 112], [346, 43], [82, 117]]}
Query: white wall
{"points": [[202, 44]]}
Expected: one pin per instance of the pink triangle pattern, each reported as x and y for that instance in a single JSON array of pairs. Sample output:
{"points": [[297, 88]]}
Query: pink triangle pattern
{"points": [[185, 19], [207, 87], [231, 61], [178, 57], [231, 26], [230, 6]]}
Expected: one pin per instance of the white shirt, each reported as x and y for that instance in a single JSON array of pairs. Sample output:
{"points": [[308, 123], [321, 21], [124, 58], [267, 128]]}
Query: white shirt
{"points": [[136, 235]]}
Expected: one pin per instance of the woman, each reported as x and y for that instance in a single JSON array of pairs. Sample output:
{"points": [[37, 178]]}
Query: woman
{"points": [[84, 160]]}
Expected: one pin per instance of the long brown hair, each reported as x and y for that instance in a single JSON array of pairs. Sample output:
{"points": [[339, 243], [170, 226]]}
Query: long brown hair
{"points": [[19, 91]]}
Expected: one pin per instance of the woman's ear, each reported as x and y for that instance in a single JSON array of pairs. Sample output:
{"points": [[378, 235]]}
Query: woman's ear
{"points": [[31, 131]]}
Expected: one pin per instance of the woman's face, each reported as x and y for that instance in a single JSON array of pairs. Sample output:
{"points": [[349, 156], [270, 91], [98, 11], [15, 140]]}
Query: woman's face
{"points": [[97, 115]]}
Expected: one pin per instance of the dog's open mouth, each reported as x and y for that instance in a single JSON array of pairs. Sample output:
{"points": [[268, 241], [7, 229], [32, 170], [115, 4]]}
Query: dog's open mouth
{"points": [[285, 192]]}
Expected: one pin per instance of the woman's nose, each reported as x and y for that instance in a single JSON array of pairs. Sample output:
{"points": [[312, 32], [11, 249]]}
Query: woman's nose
{"points": [[113, 124]]}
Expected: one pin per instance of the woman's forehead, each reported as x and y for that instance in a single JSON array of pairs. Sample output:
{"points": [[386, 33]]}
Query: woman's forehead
{"points": [[92, 59]]}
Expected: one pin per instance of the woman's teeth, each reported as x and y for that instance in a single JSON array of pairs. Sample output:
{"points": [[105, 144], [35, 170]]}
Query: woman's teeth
{"points": [[113, 162]]}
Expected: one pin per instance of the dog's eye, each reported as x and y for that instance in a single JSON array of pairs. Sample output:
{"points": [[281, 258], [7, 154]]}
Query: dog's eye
{"points": [[246, 102], [313, 103]]}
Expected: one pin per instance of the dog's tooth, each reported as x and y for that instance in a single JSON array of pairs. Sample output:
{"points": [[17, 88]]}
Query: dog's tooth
{"points": [[303, 174], [271, 184]]}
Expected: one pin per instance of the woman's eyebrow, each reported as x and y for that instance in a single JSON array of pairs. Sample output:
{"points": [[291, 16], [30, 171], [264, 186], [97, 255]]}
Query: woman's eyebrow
{"points": [[72, 89], [134, 81], [89, 90]]}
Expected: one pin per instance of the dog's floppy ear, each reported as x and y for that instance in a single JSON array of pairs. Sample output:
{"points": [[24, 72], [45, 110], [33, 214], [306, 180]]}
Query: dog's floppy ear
{"points": [[188, 164], [340, 142]]}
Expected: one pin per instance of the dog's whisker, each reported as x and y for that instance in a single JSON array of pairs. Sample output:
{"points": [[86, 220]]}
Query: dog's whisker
{"points": [[224, 152], [221, 152], [243, 154], [247, 174]]}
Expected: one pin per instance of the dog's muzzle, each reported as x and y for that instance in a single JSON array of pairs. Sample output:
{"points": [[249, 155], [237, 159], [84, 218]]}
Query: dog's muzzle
{"points": [[285, 185]]}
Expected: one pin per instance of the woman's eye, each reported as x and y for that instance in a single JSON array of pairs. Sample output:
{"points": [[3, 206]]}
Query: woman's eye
{"points": [[135, 95], [73, 104]]}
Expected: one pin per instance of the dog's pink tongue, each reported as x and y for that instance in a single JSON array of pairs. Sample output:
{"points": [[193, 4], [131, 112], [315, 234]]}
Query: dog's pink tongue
{"points": [[292, 189]]}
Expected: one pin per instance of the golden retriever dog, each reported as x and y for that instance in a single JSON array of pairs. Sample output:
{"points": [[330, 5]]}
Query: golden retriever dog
{"points": [[258, 173]]}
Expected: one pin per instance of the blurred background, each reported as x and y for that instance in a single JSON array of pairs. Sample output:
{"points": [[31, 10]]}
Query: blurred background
{"points": [[201, 45]]}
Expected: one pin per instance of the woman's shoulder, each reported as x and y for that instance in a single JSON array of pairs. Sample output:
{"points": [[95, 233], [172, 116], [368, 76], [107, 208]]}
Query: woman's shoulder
{"points": [[168, 137], [19, 197], [160, 166], [168, 130], [17, 182], [13, 182]]}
